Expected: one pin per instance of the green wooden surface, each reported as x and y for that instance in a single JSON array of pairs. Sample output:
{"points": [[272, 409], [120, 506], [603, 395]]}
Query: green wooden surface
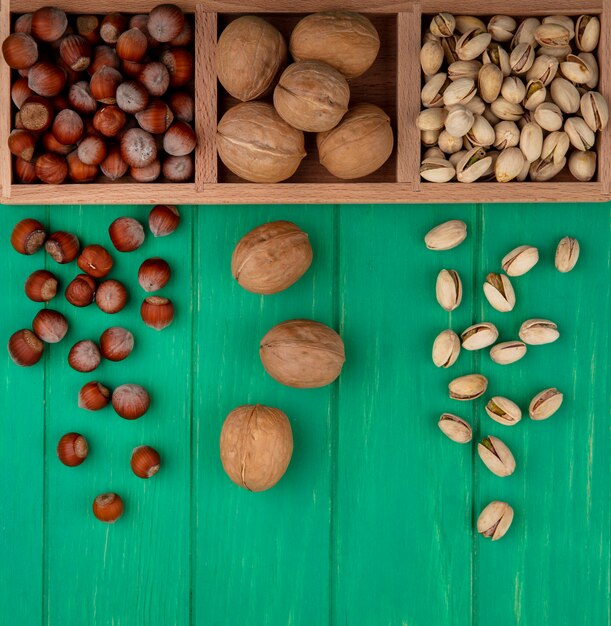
{"points": [[373, 523]]}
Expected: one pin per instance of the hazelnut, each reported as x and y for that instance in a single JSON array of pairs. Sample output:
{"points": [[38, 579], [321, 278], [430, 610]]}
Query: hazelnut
{"points": [[146, 174], [163, 220], [22, 144], [155, 77], [154, 274], [75, 52], [103, 56], [20, 92], [130, 401], [132, 96], [23, 24], [140, 21], [78, 171], [84, 356], [72, 449], [132, 45], [95, 261], [138, 148], [28, 236], [156, 118], [41, 286], [24, 172], [67, 127], [116, 343], [25, 348], [131, 69], [157, 312], [50, 144], [36, 114], [126, 234], [180, 65], [113, 166], [92, 150], [145, 461], [178, 169], [165, 22], [180, 139], [112, 26], [271, 257], [20, 51], [62, 247], [302, 354], [185, 37], [81, 291], [88, 26], [51, 168], [108, 507], [93, 397], [49, 24], [104, 84], [46, 79], [50, 326], [80, 98], [111, 296], [182, 106], [109, 120], [256, 446]]}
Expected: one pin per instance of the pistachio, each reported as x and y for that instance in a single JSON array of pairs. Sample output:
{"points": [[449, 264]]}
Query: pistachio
{"points": [[428, 36], [502, 27], [536, 332], [443, 24], [503, 411], [555, 146], [437, 170], [479, 336], [567, 254], [429, 137], [545, 404], [465, 23], [481, 134], [544, 69], [432, 93], [587, 32], [448, 289], [499, 291], [580, 134], [459, 92], [594, 110], [583, 165], [488, 175], [520, 260], [496, 456], [590, 60], [446, 236], [531, 141], [506, 110], [535, 94], [563, 20], [431, 57], [543, 170], [565, 95], [459, 121], [472, 44], [455, 428], [498, 56], [448, 143], [431, 119], [522, 58], [526, 32], [508, 165], [576, 69], [493, 120], [494, 521], [507, 135], [434, 152], [513, 89], [549, 116], [489, 80], [507, 352], [472, 165], [464, 69], [448, 45], [552, 35], [476, 105], [521, 177], [446, 348], [468, 387], [455, 158]]}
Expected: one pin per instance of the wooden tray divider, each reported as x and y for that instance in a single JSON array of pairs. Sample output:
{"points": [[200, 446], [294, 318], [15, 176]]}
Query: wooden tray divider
{"points": [[513, 7], [604, 86], [5, 106]]}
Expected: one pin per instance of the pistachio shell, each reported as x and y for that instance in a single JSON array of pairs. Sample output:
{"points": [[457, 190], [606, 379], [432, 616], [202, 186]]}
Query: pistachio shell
{"points": [[552, 35], [490, 80], [567, 254], [583, 165], [434, 152], [459, 92], [446, 348], [576, 69], [522, 58], [431, 57], [507, 135], [464, 69], [508, 165], [503, 411], [531, 141], [563, 20], [496, 456], [431, 119], [446, 236], [472, 165], [459, 121], [455, 158], [548, 116], [507, 352], [429, 137], [544, 69], [437, 170], [455, 428], [499, 291], [443, 24], [594, 110], [590, 60], [535, 94], [526, 32], [580, 134], [513, 89], [498, 56], [507, 111], [537, 332], [448, 143], [472, 44], [545, 404], [542, 170], [468, 387], [494, 521], [448, 44], [502, 27], [520, 260], [479, 336], [466, 23], [587, 32], [555, 147], [433, 91], [565, 95], [481, 134], [448, 289]]}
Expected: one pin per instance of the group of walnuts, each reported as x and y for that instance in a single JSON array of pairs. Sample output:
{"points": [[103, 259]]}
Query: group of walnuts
{"points": [[264, 143]]}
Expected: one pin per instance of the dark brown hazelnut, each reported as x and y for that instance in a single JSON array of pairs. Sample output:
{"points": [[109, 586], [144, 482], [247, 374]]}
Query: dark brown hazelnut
{"points": [[46, 79], [147, 174], [103, 56], [41, 286], [104, 85], [154, 274], [25, 348], [51, 168], [67, 127], [81, 291], [84, 356], [72, 449], [156, 118], [109, 120], [20, 51], [157, 312], [108, 507], [23, 24], [22, 144], [113, 166], [185, 37], [78, 171], [138, 148], [178, 169], [131, 69], [24, 171], [28, 236], [80, 98], [130, 401], [20, 92], [182, 105], [126, 234], [180, 139], [111, 296], [166, 22], [116, 343], [50, 326], [36, 114], [62, 247], [145, 461], [179, 62], [95, 261], [140, 21], [49, 24], [50, 144], [163, 220], [75, 52], [93, 396], [92, 150], [132, 45], [112, 27], [155, 77]]}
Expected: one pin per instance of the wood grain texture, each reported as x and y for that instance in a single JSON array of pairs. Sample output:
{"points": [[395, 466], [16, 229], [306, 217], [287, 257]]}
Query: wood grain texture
{"points": [[5, 107], [305, 6], [516, 7], [604, 50], [101, 6]]}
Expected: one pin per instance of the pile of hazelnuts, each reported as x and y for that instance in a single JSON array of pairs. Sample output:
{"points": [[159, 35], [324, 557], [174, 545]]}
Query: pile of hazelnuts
{"points": [[110, 96], [26, 346]]}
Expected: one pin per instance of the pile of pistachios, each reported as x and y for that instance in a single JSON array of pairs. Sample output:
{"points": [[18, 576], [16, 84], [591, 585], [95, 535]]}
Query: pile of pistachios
{"points": [[510, 100], [496, 518]]}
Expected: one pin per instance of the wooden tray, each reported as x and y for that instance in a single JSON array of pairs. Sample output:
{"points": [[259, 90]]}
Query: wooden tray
{"points": [[393, 82]]}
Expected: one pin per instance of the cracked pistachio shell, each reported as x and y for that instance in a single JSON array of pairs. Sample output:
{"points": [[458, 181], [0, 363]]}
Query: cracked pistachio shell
{"points": [[466, 23], [448, 143], [590, 60], [507, 135], [506, 110], [494, 521], [555, 146], [479, 336], [531, 141], [429, 137], [507, 352], [503, 411], [468, 387], [522, 58], [497, 55], [536, 93], [476, 105], [489, 81], [459, 92], [443, 24], [536, 332], [431, 119], [431, 57], [567, 254], [542, 170], [580, 134], [499, 292], [459, 121], [455, 428], [437, 170], [496, 456], [513, 89], [472, 44], [448, 289], [549, 116], [472, 165], [526, 32], [502, 27], [456, 157], [544, 69], [563, 20], [545, 404], [576, 69], [587, 32], [446, 236], [521, 177], [595, 110], [565, 95], [433, 153], [432, 92], [446, 348], [508, 165], [552, 35], [448, 44], [481, 133], [464, 69], [583, 165], [558, 52], [520, 260]]}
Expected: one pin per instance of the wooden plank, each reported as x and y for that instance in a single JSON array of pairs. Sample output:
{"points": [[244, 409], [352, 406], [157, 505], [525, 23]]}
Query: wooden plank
{"points": [[101, 6], [555, 558], [260, 558], [516, 7], [305, 6], [604, 50], [137, 570], [22, 441], [5, 109], [402, 512]]}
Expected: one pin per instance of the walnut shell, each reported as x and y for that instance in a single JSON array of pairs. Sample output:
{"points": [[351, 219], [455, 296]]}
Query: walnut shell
{"points": [[271, 257], [347, 41], [312, 96], [255, 143], [249, 56], [361, 143], [302, 353], [256, 446]]}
